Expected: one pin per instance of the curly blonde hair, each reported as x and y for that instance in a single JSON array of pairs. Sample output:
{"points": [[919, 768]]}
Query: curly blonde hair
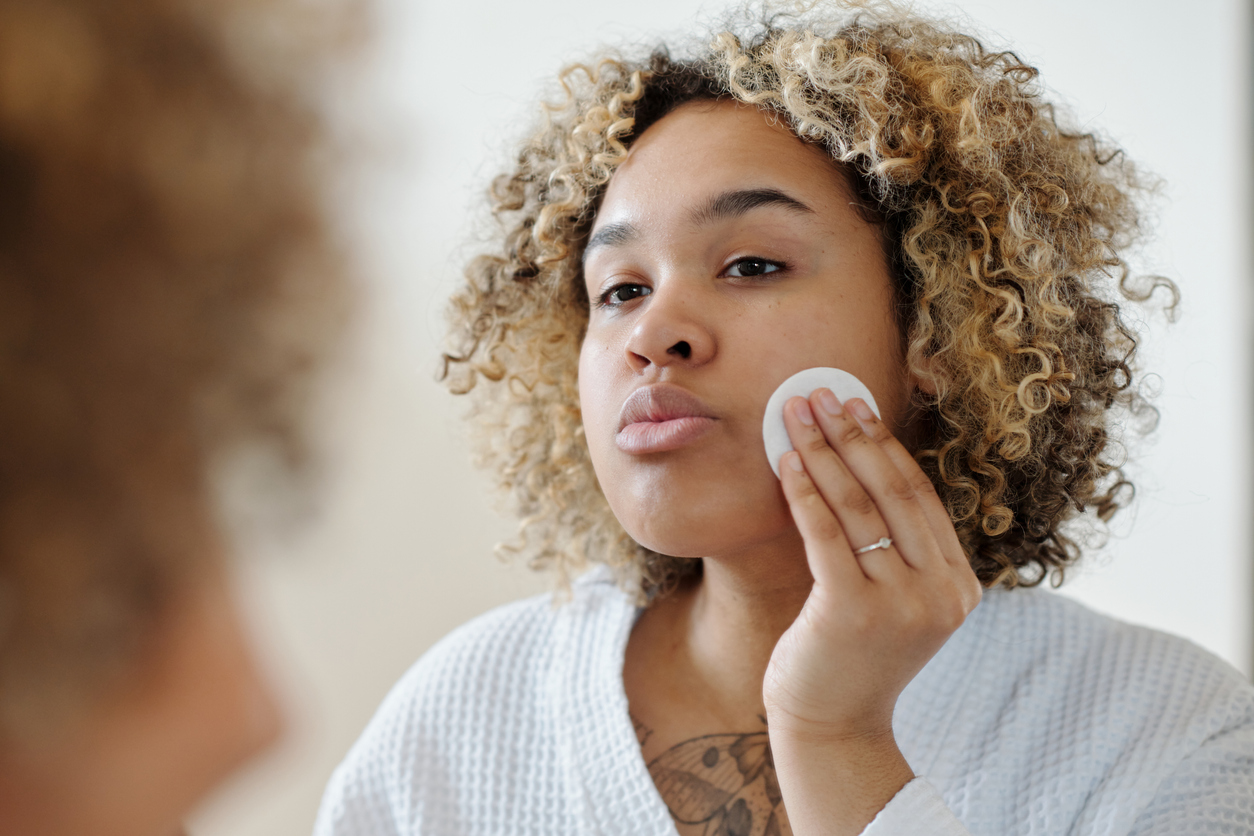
{"points": [[1006, 232]]}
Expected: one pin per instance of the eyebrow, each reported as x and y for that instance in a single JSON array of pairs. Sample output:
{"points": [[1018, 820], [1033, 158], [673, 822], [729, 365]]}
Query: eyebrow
{"points": [[736, 203], [721, 207], [611, 235]]}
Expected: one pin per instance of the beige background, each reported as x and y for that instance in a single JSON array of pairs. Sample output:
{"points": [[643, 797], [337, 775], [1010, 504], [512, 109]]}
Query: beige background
{"points": [[401, 549]]}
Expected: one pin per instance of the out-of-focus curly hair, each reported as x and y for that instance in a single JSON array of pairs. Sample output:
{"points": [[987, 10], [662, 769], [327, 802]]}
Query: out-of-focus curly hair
{"points": [[168, 282], [1006, 232]]}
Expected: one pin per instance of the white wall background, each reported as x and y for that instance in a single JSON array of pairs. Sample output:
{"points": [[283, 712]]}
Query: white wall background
{"points": [[402, 552]]}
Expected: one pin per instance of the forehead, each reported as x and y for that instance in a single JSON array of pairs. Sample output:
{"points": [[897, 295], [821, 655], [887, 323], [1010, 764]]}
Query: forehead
{"points": [[703, 148]]}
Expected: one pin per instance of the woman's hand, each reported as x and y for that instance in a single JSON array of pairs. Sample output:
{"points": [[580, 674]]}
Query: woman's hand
{"points": [[872, 620]]}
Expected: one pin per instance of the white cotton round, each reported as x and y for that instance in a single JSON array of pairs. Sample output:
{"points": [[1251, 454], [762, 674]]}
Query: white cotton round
{"points": [[843, 385]]}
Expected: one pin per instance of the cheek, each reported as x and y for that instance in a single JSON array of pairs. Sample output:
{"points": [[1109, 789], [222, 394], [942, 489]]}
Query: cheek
{"points": [[859, 336], [596, 402]]}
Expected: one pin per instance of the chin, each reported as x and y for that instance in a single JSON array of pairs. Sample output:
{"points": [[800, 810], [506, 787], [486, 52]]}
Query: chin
{"points": [[704, 523]]}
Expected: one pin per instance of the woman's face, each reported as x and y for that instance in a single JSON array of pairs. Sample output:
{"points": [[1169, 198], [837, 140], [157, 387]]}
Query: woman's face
{"points": [[727, 255]]}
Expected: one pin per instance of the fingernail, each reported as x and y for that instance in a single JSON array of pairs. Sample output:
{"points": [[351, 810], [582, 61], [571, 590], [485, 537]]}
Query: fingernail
{"points": [[859, 408], [794, 461], [829, 403], [803, 413]]}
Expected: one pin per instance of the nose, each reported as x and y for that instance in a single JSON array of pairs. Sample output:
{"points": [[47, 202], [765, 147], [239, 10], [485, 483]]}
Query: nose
{"points": [[670, 331]]}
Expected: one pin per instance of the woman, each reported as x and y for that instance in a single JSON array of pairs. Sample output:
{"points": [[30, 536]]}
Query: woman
{"points": [[848, 649], [168, 285]]}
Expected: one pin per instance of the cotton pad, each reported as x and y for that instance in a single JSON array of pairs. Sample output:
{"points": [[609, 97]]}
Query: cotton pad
{"points": [[843, 385]]}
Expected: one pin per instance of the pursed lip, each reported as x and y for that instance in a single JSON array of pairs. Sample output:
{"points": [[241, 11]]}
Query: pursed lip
{"points": [[661, 417]]}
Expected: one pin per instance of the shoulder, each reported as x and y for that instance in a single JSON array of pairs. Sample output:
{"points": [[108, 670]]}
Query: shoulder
{"points": [[477, 703], [505, 655], [1045, 636], [501, 660], [1040, 699], [1053, 657]]}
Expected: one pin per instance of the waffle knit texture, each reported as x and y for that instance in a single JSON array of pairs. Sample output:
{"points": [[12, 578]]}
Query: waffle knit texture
{"points": [[1037, 717]]}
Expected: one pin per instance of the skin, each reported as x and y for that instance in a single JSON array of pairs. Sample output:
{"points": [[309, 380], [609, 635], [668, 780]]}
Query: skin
{"points": [[194, 708], [786, 626]]}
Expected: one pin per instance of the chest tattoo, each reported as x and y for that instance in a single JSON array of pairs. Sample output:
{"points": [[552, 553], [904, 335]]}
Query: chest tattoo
{"points": [[723, 783]]}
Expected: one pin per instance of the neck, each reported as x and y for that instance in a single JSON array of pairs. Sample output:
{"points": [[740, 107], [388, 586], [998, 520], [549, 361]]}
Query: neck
{"points": [[714, 637]]}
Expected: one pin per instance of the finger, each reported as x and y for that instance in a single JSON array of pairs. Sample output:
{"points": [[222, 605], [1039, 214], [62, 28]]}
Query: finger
{"points": [[852, 506], [827, 549], [925, 492], [963, 576], [845, 498], [884, 483]]}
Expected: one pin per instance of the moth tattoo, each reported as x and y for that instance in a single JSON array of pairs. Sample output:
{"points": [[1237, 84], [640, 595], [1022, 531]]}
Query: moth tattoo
{"points": [[723, 781]]}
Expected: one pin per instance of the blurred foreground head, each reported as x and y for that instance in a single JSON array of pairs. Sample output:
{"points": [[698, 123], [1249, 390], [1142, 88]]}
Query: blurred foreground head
{"points": [[167, 287]]}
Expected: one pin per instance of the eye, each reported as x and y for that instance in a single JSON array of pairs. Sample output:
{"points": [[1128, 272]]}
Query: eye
{"points": [[623, 293], [752, 266]]}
